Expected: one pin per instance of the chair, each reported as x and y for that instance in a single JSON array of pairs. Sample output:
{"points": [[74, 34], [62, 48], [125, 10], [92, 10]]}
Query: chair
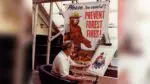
{"points": [[47, 77]]}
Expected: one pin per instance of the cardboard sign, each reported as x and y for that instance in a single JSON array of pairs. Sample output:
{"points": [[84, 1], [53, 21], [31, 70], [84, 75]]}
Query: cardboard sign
{"points": [[85, 23]]}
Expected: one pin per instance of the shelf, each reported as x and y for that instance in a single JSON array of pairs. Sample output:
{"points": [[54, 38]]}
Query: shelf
{"points": [[40, 45], [41, 55]]}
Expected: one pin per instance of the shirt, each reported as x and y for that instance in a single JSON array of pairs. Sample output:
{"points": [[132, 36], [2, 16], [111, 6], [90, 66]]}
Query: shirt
{"points": [[61, 64]]}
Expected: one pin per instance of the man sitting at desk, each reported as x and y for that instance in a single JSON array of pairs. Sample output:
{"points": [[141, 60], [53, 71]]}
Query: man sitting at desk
{"points": [[63, 61]]}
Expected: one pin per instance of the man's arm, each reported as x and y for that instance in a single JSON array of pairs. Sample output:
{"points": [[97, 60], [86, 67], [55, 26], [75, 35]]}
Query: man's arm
{"points": [[70, 77], [79, 65]]}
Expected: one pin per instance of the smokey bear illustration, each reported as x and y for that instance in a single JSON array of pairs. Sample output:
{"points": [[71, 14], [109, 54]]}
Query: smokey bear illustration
{"points": [[74, 32], [99, 62]]}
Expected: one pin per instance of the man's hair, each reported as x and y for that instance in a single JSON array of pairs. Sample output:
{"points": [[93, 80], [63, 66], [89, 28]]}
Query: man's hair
{"points": [[66, 45]]}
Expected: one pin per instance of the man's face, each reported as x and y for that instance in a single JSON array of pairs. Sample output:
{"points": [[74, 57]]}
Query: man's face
{"points": [[71, 50]]}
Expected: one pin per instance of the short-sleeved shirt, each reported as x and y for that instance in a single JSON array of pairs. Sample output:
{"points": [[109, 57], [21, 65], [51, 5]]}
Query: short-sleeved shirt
{"points": [[61, 64]]}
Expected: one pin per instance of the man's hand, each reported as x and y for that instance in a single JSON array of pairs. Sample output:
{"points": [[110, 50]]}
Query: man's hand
{"points": [[81, 78]]}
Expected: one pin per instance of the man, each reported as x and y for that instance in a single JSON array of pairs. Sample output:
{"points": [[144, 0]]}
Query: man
{"points": [[63, 61]]}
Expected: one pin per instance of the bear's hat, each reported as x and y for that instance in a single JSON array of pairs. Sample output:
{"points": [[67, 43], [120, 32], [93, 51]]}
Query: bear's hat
{"points": [[75, 15]]}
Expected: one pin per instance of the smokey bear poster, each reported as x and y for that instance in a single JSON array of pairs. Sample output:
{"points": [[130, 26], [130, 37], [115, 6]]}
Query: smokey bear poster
{"points": [[85, 23]]}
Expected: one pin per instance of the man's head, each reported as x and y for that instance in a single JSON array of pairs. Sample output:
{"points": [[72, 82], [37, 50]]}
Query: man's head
{"points": [[68, 47]]}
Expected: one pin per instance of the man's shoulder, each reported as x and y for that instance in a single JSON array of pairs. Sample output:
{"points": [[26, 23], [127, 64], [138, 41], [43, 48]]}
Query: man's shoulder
{"points": [[61, 55]]}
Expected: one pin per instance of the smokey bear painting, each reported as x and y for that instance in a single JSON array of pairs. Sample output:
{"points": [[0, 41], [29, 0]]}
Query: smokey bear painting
{"points": [[99, 62], [74, 32]]}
